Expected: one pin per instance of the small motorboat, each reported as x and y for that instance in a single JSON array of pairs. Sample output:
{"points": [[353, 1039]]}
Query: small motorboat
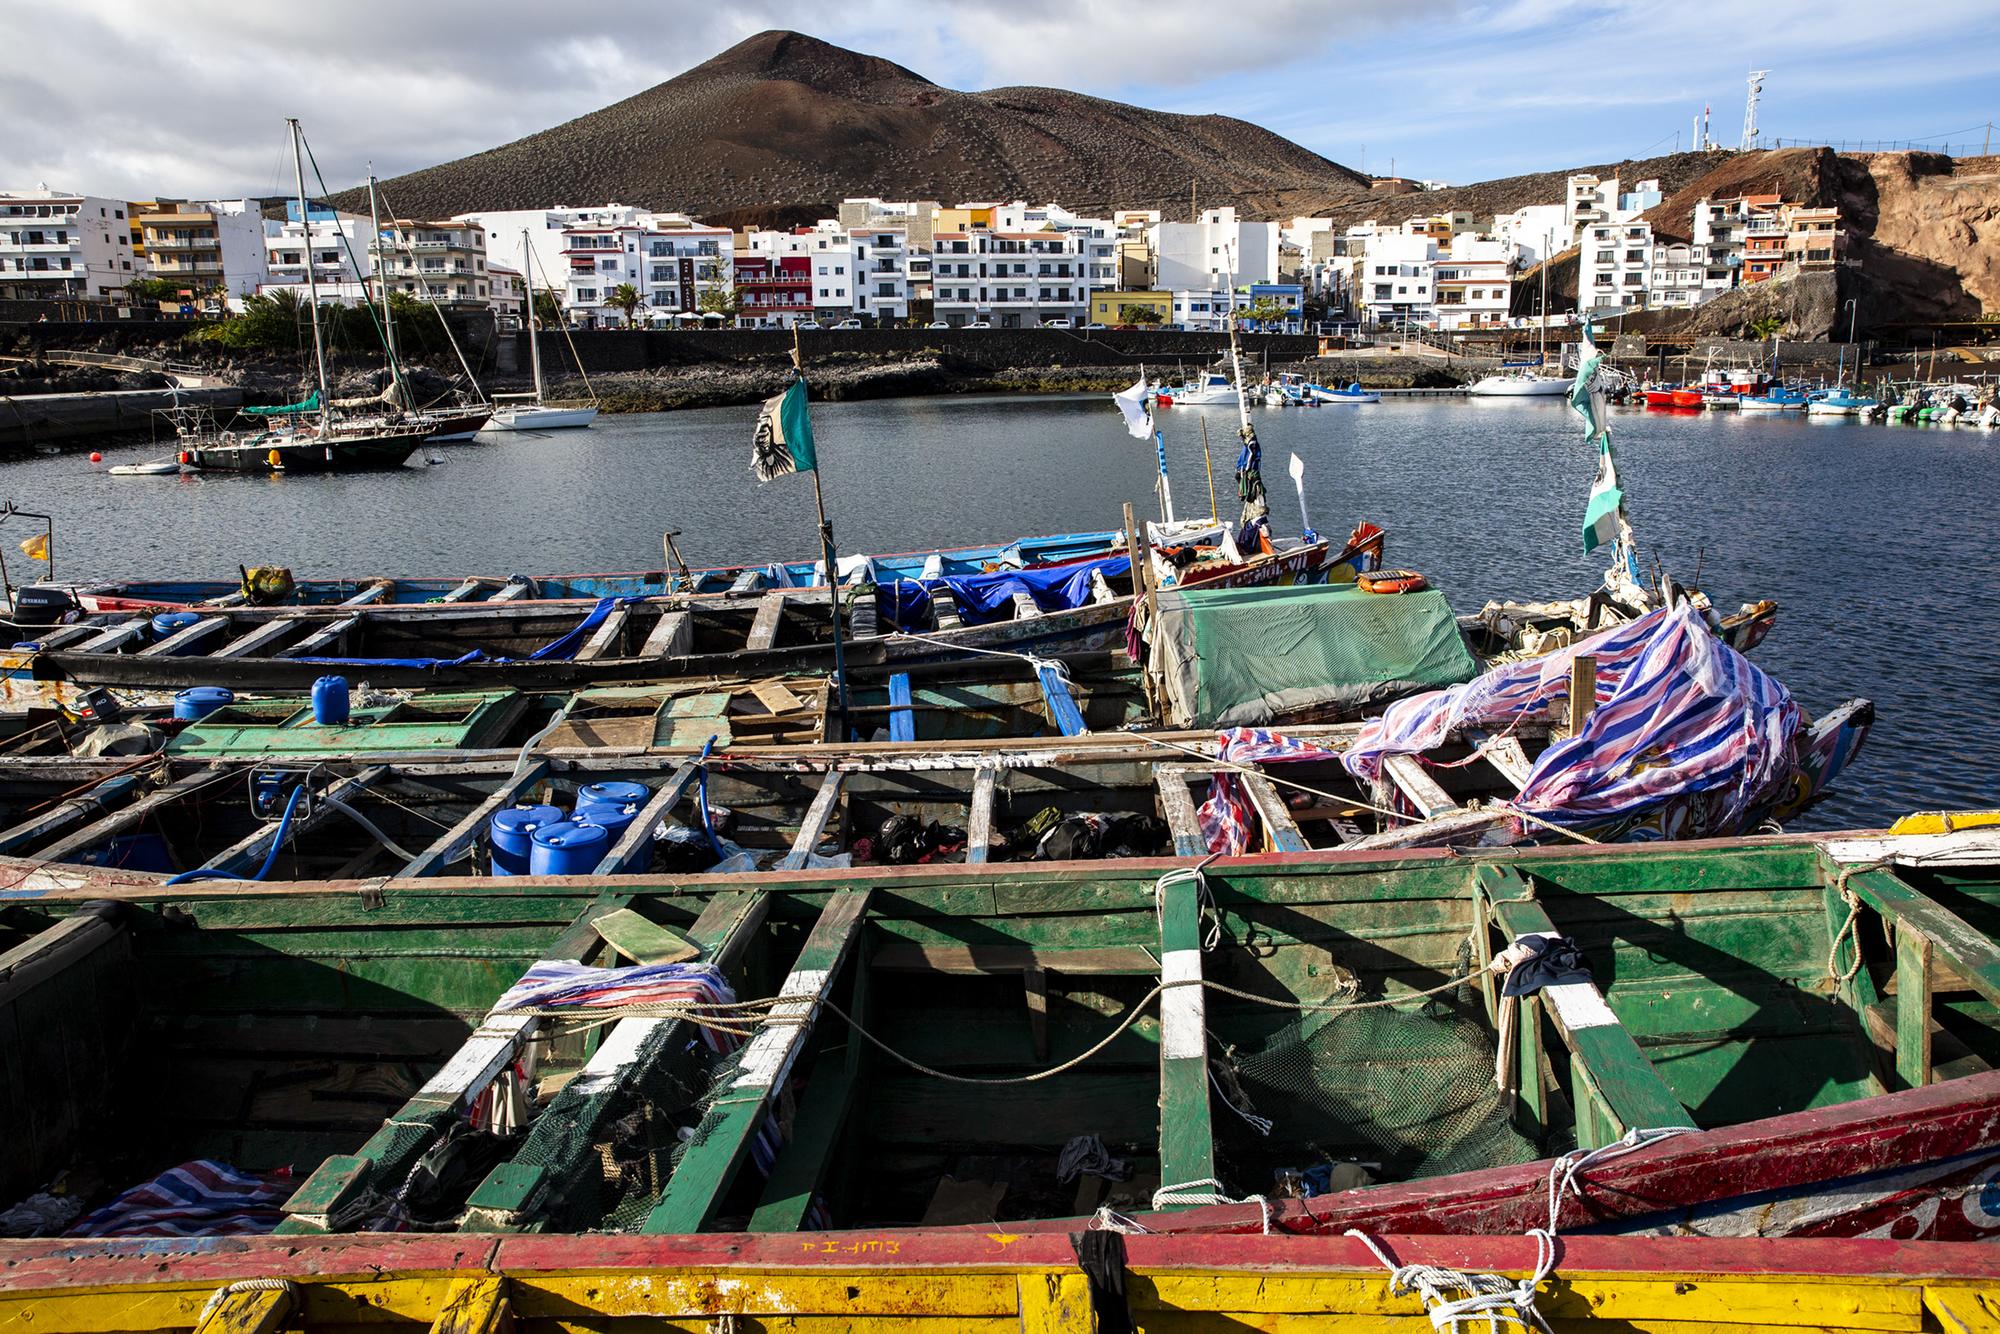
{"points": [[159, 468], [1354, 393], [1777, 399], [1839, 403]]}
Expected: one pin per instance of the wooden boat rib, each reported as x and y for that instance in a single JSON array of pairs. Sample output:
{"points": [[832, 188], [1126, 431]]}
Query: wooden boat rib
{"points": [[1717, 999]]}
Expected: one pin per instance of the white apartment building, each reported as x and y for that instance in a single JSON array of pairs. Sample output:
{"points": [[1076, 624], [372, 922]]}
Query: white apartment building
{"points": [[917, 217], [1719, 227], [881, 258], [829, 248], [1394, 279], [1212, 254], [545, 228], [667, 258], [1013, 280], [207, 246], [1589, 200], [1677, 277], [58, 244], [506, 293], [1204, 311], [336, 242], [1474, 283], [1536, 231], [1614, 266], [440, 261]]}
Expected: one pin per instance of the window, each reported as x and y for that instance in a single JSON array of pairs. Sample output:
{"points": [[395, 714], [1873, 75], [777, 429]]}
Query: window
{"points": [[117, 212]]}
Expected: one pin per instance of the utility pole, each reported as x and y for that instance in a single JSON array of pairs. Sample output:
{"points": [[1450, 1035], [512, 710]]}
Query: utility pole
{"points": [[1750, 109]]}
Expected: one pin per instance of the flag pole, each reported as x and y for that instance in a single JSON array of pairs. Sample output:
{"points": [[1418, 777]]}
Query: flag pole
{"points": [[832, 569]]}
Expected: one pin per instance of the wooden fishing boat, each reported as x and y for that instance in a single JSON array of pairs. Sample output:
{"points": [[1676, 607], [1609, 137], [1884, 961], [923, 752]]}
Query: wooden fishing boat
{"points": [[990, 1281], [1076, 606], [43, 603], [1287, 1044]]}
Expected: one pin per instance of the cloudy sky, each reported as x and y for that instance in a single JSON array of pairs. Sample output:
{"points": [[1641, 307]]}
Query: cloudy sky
{"points": [[186, 97]]}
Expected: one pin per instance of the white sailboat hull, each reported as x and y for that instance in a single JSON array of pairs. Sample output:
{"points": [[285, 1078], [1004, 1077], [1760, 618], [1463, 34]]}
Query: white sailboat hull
{"points": [[1519, 386], [540, 418]]}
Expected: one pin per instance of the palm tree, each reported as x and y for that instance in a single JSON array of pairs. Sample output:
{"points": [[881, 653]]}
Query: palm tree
{"points": [[625, 297]]}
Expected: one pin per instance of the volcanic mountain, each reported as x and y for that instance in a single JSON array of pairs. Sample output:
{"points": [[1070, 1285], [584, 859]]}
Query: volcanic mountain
{"points": [[783, 126]]}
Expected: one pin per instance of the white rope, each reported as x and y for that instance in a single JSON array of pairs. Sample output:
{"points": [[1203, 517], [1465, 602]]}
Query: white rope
{"points": [[1846, 932], [1491, 1298], [242, 1285], [1107, 1219], [1261, 1124], [1488, 1299], [1186, 1192]]}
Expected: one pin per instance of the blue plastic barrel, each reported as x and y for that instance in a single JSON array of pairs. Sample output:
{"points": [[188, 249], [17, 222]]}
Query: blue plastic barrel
{"points": [[509, 833], [614, 818], [171, 622], [612, 793], [330, 701], [200, 701], [567, 848]]}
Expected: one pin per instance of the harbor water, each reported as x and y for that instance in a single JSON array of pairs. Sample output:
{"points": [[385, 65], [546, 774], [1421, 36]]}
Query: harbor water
{"points": [[1877, 541]]}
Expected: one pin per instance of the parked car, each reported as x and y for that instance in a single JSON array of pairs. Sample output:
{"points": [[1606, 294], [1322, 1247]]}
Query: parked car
{"points": [[1096, 326], [848, 324], [1060, 322], [807, 324], [980, 324], [937, 324]]}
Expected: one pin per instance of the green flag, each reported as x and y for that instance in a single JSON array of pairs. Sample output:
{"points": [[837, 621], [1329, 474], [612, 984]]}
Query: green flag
{"points": [[784, 439]]}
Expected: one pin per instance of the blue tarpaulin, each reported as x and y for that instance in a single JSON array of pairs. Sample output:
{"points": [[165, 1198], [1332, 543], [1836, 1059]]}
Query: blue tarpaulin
{"points": [[906, 603], [556, 650]]}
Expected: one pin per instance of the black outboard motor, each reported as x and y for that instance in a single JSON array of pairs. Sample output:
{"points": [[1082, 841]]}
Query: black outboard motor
{"points": [[42, 604]]}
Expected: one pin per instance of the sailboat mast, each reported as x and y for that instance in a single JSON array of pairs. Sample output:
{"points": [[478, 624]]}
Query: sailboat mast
{"points": [[312, 282], [1236, 356], [375, 266], [534, 334], [1548, 242]]}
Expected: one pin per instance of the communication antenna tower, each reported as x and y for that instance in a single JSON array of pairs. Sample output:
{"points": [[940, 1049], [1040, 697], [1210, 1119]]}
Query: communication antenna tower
{"points": [[1750, 108]]}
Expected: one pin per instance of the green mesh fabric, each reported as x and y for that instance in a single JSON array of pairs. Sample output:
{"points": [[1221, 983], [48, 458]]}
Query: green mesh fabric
{"points": [[1248, 657], [1409, 1089]]}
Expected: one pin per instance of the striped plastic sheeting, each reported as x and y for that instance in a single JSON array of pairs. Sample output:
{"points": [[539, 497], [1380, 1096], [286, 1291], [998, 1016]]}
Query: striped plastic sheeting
{"points": [[202, 1198], [1228, 821], [552, 982], [1677, 713], [555, 983]]}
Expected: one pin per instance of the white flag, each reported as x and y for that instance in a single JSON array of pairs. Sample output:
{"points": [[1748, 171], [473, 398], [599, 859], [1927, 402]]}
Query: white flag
{"points": [[1132, 403]]}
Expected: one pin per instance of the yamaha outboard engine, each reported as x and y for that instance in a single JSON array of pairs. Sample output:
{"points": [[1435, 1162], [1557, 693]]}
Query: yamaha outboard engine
{"points": [[42, 604]]}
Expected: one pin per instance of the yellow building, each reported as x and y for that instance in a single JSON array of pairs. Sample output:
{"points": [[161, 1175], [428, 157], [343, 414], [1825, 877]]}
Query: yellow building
{"points": [[967, 218], [1119, 307]]}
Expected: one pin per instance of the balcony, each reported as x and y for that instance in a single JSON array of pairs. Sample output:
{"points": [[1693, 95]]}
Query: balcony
{"points": [[182, 243]]}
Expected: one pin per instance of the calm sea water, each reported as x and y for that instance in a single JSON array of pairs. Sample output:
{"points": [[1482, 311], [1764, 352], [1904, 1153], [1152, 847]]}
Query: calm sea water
{"points": [[1879, 542]]}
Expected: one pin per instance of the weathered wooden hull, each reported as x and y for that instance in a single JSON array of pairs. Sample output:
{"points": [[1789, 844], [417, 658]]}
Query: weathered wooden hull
{"points": [[997, 1281], [1837, 1100]]}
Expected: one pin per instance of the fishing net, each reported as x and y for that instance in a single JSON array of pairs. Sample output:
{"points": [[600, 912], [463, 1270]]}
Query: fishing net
{"points": [[1408, 1092], [607, 1152]]}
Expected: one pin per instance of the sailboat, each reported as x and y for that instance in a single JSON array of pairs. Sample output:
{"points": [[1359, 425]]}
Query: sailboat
{"points": [[459, 421], [531, 412], [304, 446]]}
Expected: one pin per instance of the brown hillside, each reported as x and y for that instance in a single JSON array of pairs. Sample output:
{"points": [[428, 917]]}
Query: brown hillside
{"points": [[783, 121]]}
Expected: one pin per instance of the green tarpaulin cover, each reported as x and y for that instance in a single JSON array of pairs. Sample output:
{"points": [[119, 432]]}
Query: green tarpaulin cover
{"points": [[1249, 657], [310, 403]]}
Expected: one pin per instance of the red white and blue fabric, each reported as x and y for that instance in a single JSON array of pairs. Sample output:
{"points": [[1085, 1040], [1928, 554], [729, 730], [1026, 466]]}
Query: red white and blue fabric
{"points": [[202, 1198], [1228, 821], [1677, 713], [552, 982]]}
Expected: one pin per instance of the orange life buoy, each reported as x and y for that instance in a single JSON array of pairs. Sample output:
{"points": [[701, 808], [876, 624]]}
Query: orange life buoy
{"points": [[1392, 581]]}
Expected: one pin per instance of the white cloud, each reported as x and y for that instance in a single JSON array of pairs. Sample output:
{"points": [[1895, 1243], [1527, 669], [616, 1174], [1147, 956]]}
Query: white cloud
{"points": [[187, 97]]}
